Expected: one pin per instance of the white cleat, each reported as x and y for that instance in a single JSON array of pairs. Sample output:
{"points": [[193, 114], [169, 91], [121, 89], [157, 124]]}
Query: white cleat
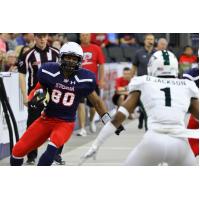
{"points": [[93, 127], [82, 133], [91, 153]]}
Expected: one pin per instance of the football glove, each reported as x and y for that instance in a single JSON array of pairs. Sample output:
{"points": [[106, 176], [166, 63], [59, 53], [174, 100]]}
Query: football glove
{"points": [[38, 99]]}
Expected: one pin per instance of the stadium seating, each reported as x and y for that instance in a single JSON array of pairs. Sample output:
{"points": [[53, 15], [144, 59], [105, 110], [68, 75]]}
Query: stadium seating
{"points": [[129, 53], [107, 58], [116, 54]]}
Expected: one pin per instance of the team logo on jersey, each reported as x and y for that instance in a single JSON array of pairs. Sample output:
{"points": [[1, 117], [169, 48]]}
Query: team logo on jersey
{"points": [[87, 56], [72, 82], [144, 56], [21, 63]]}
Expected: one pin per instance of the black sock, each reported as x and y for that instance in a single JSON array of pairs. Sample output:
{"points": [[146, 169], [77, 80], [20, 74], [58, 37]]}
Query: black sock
{"points": [[16, 161], [48, 156]]}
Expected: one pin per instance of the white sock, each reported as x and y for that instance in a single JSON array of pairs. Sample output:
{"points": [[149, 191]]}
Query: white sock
{"points": [[105, 133]]}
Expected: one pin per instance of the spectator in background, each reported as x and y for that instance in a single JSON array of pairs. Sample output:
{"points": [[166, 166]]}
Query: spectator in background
{"points": [[100, 39], [162, 44], [52, 37], [72, 37], [4, 37], [113, 39], [56, 44], [93, 60], [25, 39], [127, 39], [121, 90], [141, 60], [10, 62], [1, 60], [12, 44], [187, 59]]}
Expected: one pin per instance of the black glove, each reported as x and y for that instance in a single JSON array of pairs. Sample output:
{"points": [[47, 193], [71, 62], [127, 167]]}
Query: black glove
{"points": [[119, 129]]}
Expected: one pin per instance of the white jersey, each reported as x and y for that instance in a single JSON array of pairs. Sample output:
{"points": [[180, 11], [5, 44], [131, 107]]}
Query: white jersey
{"points": [[165, 100]]}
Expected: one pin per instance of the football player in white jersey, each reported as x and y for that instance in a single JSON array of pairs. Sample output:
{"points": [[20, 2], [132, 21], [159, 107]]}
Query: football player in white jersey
{"points": [[166, 100]]}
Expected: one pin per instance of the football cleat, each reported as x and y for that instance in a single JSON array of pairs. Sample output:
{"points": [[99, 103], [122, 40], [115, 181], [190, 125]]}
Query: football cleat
{"points": [[30, 161], [58, 160]]}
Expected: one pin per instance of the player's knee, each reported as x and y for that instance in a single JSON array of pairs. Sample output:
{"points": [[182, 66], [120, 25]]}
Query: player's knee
{"points": [[18, 150], [58, 141]]}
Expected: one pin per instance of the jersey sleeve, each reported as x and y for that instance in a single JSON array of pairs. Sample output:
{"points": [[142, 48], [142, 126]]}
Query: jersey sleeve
{"points": [[44, 76], [92, 85], [135, 60], [22, 65], [136, 83], [194, 91]]}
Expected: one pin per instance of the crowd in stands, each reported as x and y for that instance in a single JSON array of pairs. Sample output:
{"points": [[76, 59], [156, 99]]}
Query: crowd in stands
{"points": [[14, 45]]}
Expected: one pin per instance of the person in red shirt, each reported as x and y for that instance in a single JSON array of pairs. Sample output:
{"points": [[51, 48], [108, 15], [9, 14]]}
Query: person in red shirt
{"points": [[100, 39], [187, 59], [93, 60], [121, 83]]}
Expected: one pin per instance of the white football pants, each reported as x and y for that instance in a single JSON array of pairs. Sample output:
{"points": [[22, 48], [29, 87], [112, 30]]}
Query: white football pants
{"points": [[156, 148]]}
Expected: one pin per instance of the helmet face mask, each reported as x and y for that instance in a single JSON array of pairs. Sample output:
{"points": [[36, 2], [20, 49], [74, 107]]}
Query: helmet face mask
{"points": [[70, 62], [163, 63], [71, 55]]}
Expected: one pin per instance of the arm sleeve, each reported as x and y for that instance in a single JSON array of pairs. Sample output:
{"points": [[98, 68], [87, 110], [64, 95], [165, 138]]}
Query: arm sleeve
{"points": [[23, 65], [43, 78], [31, 95], [93, 85], [135, 60], [136, 84]]}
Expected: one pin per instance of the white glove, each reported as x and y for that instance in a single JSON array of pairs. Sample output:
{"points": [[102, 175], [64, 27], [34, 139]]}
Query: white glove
{"points": [[92, 152]]}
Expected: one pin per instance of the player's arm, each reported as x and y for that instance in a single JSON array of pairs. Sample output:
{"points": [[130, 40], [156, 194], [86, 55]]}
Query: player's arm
{"points": [[134, 70], [194, 107], [101, 76], [99, 106], [101, 61], [126, 108], [102, 110], [97, 103], [123, 112]]}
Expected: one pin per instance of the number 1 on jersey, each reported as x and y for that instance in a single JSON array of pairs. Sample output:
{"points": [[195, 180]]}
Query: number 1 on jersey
{"points": [[167, 96]]}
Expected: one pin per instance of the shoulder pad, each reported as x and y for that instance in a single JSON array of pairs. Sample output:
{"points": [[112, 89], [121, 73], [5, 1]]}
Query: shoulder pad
{"points": [[136, 83]]}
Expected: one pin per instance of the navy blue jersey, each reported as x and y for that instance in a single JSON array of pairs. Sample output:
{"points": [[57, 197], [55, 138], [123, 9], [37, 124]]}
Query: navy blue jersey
{"points": [[65, 94], [193, 75]]}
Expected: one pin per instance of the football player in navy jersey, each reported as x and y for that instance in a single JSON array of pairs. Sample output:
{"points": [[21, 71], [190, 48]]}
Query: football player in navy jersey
{"points": [[66, 83]]}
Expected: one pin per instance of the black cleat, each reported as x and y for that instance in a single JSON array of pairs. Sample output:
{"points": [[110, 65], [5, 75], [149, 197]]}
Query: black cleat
{"points": [[58, 160]]}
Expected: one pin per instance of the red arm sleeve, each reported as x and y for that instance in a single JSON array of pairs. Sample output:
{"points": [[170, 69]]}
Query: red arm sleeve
{"points": [[31, 95]]}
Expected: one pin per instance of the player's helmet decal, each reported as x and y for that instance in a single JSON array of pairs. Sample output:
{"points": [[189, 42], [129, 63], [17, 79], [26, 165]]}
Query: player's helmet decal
{"points": [[166, 57]]}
